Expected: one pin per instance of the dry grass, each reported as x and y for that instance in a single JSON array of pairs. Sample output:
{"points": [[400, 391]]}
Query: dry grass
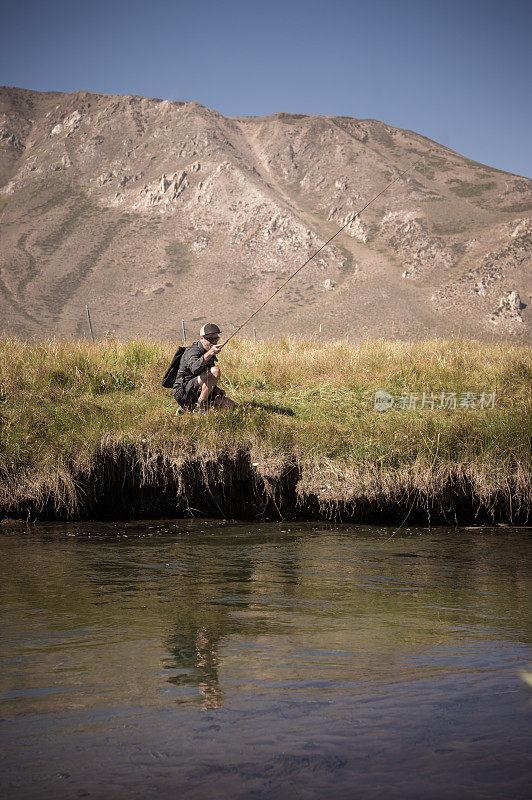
{"points": [[297, 400]]}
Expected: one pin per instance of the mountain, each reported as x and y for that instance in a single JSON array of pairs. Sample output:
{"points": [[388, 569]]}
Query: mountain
{"points": [[153, 211]]}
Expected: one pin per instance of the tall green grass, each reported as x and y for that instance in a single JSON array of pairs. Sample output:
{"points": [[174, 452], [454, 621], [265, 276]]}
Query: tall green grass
{"points": [[298, 398]]}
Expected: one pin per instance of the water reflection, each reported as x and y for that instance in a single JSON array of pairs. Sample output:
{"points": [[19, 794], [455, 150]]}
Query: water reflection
{"points": [[334, 638], [208, 591], [195, 660], [266, 609]]}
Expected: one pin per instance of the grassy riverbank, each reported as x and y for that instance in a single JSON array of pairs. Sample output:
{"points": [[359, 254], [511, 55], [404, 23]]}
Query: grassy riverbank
{"points": [[87, 429]]}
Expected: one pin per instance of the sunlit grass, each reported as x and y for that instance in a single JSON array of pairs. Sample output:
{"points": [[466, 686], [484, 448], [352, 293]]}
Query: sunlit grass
{"points": [[313, 401]]}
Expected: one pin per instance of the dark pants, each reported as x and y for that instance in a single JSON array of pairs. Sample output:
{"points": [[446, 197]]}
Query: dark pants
{"points": [[189, 395]]}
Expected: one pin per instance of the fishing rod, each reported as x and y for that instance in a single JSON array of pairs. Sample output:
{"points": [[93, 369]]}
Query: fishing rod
{"points": [[358, 213]]}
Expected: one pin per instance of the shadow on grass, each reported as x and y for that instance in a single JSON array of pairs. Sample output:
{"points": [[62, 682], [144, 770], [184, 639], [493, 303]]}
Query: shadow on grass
{"points": [[269, 407]]}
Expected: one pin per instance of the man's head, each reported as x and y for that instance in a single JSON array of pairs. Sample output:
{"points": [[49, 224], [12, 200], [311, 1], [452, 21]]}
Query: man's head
{"points": [[209, 334]]}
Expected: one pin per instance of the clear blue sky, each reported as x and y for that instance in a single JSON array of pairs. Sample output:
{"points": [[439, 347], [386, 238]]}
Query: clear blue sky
{"points": [[458, 71]]}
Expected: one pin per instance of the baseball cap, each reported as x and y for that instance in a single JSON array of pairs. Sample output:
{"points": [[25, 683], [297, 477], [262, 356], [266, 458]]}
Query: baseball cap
{"points": [[209, 329]]}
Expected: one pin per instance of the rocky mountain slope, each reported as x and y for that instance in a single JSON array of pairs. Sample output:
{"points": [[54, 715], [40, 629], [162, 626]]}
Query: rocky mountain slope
{"points": [[152, 211]]}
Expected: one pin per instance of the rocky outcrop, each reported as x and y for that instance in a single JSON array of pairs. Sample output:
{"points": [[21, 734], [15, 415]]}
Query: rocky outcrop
{"points": [[162, 195], [407, 234], [68, 125], [483, 281], [286, 232], [356, 228], [508, 312], [8, 137]]}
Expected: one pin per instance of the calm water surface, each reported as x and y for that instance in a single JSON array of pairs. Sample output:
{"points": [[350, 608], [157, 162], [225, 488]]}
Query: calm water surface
{"points": [[200, 659]]}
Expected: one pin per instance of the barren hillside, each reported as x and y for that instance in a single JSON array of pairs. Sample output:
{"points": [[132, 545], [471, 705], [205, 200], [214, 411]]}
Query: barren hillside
{"points": [[152, 211]]}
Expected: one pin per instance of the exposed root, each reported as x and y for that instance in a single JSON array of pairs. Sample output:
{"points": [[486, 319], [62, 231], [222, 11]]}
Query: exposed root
{"points": [[131, 480]]}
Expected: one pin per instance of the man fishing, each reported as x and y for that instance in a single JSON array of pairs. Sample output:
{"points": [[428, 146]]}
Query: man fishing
{"points": [[195, 386]]}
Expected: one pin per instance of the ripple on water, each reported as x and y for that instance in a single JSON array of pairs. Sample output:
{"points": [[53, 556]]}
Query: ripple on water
{"points": [[186, 659]]}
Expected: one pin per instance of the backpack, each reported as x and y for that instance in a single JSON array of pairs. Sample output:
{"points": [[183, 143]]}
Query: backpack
{"points": [[171, 373]]}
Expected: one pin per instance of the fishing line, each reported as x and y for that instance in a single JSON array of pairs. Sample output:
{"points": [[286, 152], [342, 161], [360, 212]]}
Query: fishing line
{"points": [[358, 213]]}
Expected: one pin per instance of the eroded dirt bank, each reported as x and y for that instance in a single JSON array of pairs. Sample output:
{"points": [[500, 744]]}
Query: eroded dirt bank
{"points": [[127, 481]]}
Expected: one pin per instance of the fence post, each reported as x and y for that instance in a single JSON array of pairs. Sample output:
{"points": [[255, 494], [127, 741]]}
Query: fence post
{"points": [[90, 323], [184, 331]]}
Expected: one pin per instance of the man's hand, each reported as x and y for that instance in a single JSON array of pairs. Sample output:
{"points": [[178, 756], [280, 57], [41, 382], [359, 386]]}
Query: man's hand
{"points": [[215, 349]]}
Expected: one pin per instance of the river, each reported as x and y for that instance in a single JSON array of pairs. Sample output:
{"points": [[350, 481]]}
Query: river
{"points": [[205, 658]]}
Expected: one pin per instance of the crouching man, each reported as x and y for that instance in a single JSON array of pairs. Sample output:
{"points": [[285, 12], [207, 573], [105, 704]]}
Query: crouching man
{"points": [[195, 386]]}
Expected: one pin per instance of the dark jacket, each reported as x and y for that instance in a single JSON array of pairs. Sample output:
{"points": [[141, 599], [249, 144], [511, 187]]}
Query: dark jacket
{"points": [[192, 364]]}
